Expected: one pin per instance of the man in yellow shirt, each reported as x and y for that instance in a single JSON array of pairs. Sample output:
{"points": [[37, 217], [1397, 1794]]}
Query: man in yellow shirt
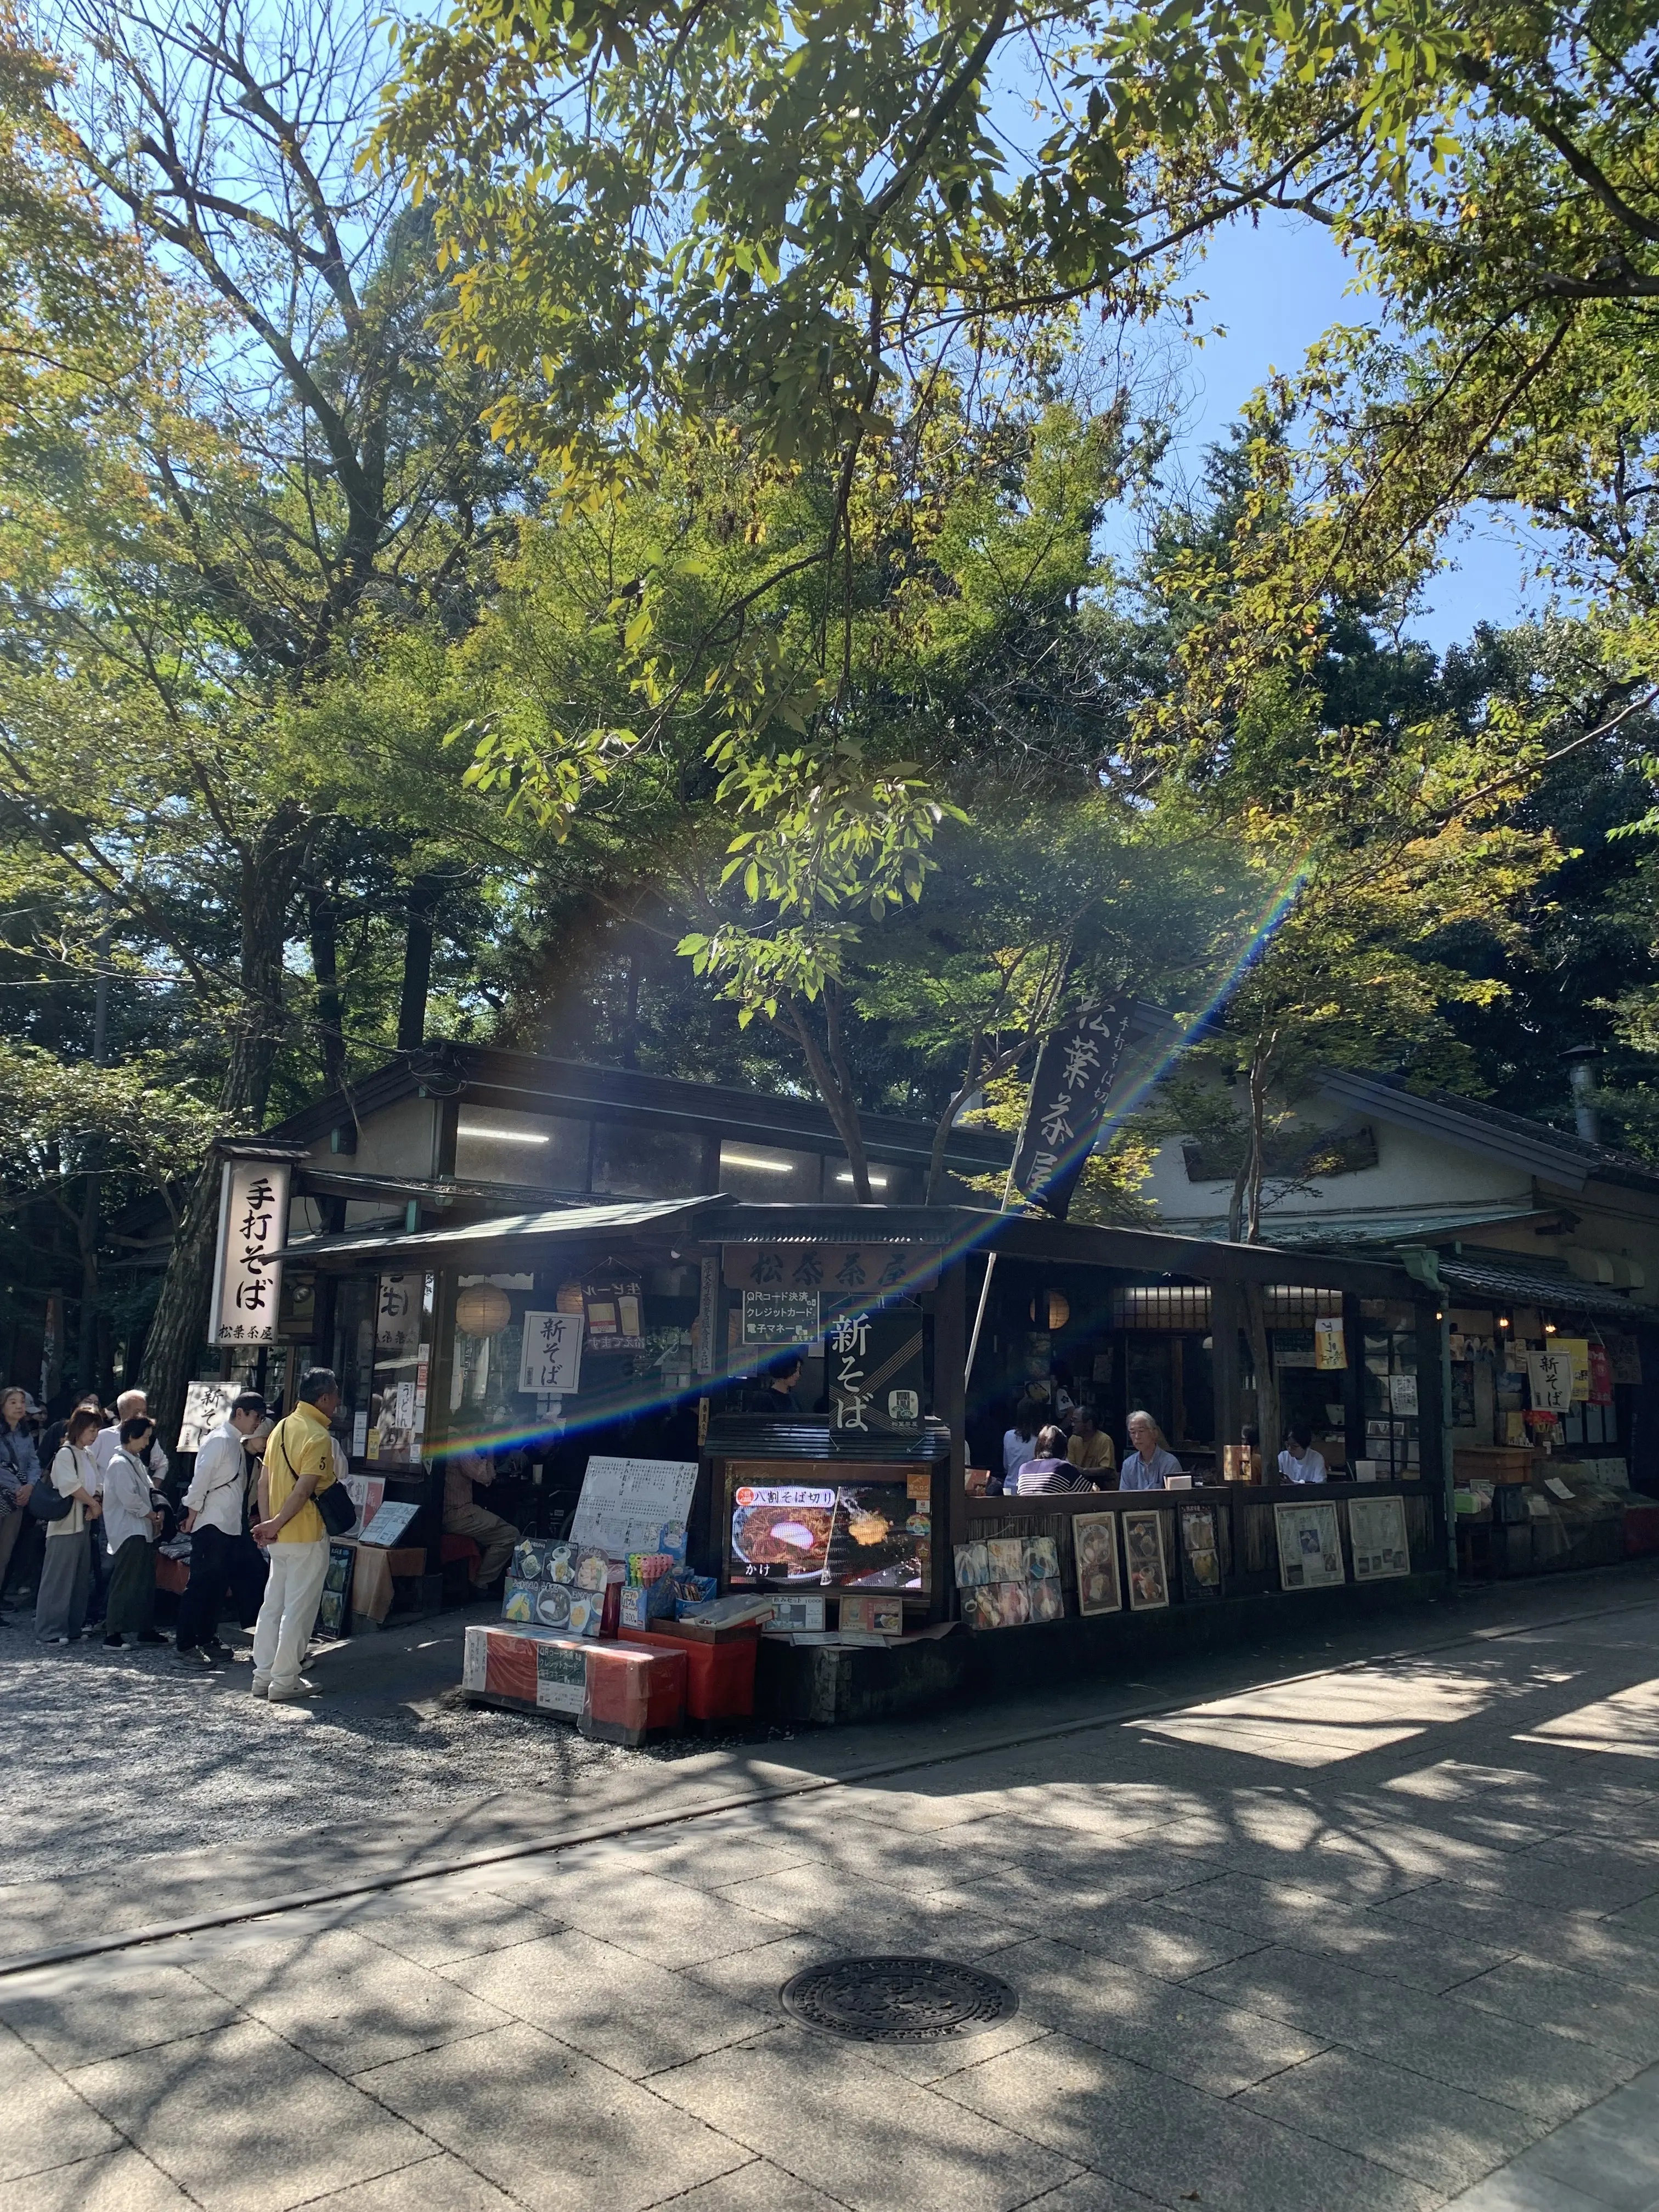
{"points": [[1091, 1448], [298, 1462]]}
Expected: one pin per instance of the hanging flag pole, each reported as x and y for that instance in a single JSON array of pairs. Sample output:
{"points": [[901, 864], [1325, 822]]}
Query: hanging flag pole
{"points": [[1064, 1114]]}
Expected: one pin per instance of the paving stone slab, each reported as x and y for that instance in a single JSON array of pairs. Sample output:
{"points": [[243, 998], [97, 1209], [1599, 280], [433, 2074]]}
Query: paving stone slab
{"points": [[1301, 1918], [43, 2122], [1174, 2146], [350, 2002], [1589, 2005], [620, 2010], [1535, 2071], [671, 1922], [433, 1925], [120, 2181], [760, 2187], [555, 2131], [873, 2141], [1174, 2030], [1436, 2134], [70, 2018], [437, 2184], [244, 2121]]}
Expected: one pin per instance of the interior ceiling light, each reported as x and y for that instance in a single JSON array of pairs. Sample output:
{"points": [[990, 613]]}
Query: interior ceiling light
{"points": [[749, 1160], [877, 1182], [482, 1129]]}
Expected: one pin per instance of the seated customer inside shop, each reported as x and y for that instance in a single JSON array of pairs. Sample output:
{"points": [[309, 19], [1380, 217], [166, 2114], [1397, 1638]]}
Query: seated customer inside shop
{"points": [[1091, 1449], [1151, 1462], [1299, 1461], [1019, 1444], [1049, 1469]]}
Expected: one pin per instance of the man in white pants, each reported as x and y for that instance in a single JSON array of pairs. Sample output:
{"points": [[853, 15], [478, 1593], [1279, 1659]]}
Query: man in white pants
{"points": [[299, 1462]]}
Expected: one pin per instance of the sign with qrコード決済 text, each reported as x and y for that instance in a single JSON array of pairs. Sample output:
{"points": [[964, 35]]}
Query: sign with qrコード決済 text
{"points": [[247, 1276], [780, 1316]]}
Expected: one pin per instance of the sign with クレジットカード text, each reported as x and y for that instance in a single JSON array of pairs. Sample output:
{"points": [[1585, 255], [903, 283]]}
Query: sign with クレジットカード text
{"points": [[247, 1276], [780, 1316]]}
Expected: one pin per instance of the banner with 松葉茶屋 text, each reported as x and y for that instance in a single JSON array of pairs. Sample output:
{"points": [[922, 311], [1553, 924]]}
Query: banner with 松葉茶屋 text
{"points": [[1075, 1072]]}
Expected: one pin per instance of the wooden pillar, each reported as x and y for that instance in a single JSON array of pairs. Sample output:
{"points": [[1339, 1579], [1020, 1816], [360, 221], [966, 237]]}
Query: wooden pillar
{"points": [[1434, 1449], [951, 1407], [1224, 1367], [1353, 1379]]}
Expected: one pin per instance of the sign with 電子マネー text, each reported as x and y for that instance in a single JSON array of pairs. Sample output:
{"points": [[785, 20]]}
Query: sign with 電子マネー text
{"points": [[247, 1276], [550, 1359], [780, 1316]]}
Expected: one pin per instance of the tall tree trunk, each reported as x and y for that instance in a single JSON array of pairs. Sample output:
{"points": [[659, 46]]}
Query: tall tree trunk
{"points": [[87, 1375], [325, 967], [177, 1333], [424, 894], [827, 1065]]}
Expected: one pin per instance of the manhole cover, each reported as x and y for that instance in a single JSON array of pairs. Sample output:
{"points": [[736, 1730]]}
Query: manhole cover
{"points": [[898, 2000]]}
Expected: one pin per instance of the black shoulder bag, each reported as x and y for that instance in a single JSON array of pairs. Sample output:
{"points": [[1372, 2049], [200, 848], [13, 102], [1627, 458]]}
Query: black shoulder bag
{"points": [[335, 1504]]}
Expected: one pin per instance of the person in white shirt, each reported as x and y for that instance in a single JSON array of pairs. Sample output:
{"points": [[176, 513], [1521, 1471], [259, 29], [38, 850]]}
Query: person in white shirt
{"points": [[1299, 1461], [132, 1525], [223, 1554], [131, 1405], [1019, 1444], [60, 1603]]}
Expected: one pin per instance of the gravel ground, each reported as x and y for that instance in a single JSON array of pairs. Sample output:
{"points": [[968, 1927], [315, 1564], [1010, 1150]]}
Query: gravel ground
{"points": [[86, 1733]]}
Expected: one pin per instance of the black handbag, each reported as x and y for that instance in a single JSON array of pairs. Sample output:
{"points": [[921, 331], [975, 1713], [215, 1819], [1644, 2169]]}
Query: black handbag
{"points": [[48, 1502], [337, 1507], [335, 1504]]}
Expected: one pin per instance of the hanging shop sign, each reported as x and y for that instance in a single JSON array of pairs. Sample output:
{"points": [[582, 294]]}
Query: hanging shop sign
{"points": [[873, 1370], [1600, 1376], [550, 1356], [247, 1276], [1330, 1351], [834, 1271], [1075, 1072], [1549, 1379]]}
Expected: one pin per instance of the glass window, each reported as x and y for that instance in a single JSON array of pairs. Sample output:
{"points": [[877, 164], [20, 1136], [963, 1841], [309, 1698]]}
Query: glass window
{"points": [[632, 1162], [495, 1145], [763, 1173], [888, 1186]]}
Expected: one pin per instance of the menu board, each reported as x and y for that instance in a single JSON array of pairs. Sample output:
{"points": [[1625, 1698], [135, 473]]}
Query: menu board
{"points": [[626, 1505], [834, 1535], [390, 1523]]}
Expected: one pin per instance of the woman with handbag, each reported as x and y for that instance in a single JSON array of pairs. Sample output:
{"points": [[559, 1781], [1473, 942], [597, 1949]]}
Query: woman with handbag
{"points": [[19, 1470], [68, 1502], [132, 1526]]}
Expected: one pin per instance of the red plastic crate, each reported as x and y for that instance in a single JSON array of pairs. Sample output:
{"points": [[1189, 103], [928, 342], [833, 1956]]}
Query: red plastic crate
{"points": [[510, 1669], [719, 1678], [633, 1694]]}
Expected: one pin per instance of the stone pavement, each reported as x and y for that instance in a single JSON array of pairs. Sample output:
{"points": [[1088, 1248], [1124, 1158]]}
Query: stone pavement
{"points": [[1383, 1934]]}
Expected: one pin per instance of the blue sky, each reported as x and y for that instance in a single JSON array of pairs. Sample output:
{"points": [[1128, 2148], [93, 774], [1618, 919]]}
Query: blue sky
{"points": [[1274, 288]]}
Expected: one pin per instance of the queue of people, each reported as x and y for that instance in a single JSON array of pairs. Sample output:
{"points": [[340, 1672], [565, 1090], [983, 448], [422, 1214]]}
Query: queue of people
{"points": [[93, 1489]]}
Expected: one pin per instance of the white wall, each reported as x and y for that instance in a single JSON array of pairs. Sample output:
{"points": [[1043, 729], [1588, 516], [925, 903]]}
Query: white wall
{"points": [[1413, 1172]]}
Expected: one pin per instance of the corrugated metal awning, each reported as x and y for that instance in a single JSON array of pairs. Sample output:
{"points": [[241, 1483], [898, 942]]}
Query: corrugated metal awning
{"points": [[560, 1225], [1525, 1286]]}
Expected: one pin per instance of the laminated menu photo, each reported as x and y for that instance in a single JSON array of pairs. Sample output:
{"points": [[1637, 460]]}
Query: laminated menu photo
{"points": [[1093, 1538], [1143, 1544]]}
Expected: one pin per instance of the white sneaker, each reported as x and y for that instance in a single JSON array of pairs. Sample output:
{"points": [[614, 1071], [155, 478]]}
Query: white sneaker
{"points": [[258, 1687], [297, 1695]]}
